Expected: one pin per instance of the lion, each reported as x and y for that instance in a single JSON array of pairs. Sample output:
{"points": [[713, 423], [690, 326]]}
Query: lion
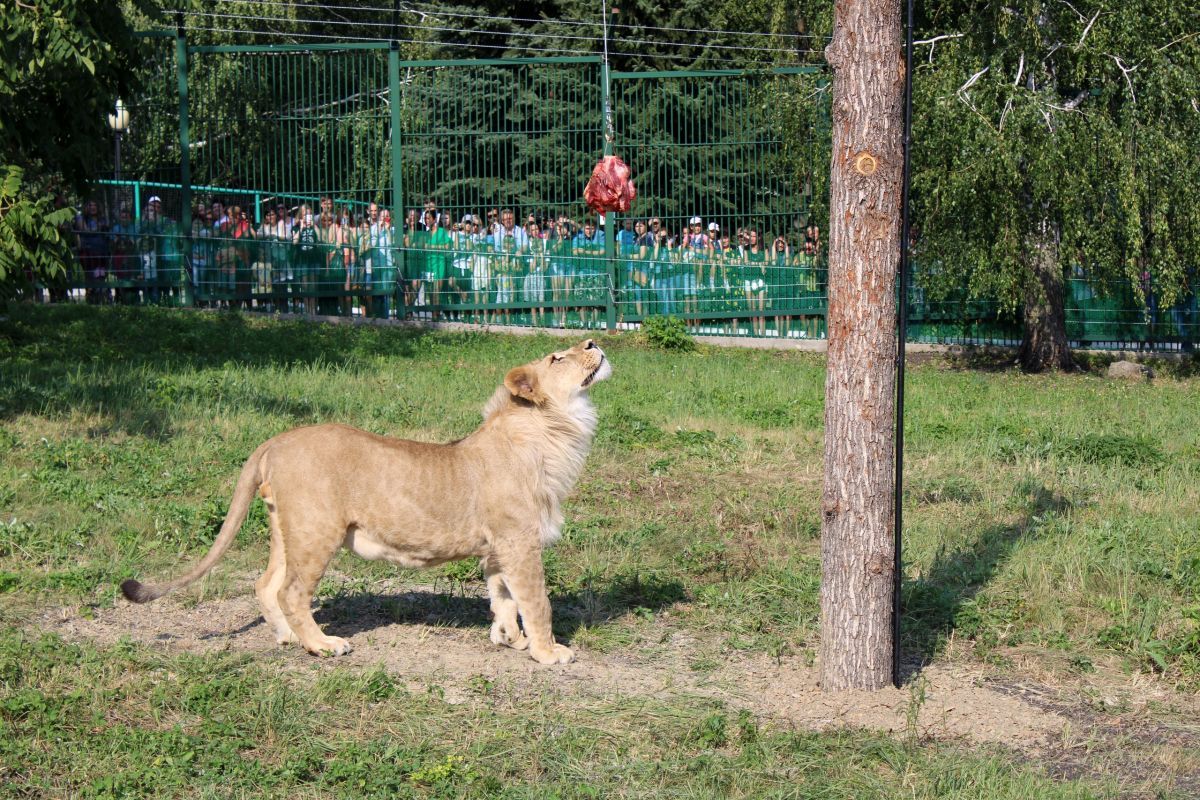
{"points": [[496, 495]]}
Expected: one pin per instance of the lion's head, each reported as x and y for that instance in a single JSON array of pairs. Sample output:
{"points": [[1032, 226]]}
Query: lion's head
{"points": [[559, 377]]}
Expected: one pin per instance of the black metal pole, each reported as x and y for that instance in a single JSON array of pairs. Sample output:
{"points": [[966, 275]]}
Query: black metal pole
{"points": [[902, 336], [116, 209]]}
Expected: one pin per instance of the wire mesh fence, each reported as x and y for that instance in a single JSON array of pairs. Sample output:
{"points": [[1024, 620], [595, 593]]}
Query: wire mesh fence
{"points": [[338, 179]]}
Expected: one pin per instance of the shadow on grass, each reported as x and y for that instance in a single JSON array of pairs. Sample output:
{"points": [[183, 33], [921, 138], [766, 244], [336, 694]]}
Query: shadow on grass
{"points": [[976, 358], [941, 600], [359, 612], [48, 356]]}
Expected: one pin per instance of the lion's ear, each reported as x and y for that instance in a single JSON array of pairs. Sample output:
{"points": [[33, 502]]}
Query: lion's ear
{"points": [[523, 383]]}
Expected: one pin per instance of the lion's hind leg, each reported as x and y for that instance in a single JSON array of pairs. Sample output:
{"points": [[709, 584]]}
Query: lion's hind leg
{"points": [[267, 587], [505, 628], [307, 553]]}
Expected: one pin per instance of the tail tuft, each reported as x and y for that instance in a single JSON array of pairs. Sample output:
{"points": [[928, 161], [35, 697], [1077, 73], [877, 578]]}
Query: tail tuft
{"points": [[137, 593]]}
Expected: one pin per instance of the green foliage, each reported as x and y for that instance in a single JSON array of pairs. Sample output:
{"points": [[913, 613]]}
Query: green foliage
{"points": [[63, 63], [668, 333], [711, 732], [31, 238], [638, 40], [62, 60], [1039, 122]]}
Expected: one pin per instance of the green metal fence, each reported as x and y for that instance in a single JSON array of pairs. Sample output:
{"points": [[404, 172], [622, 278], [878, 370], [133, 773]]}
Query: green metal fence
{"points": [[234, 149], [739, 153]]}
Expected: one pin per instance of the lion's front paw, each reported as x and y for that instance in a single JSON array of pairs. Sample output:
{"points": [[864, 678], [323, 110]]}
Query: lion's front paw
{"points": [[557, 654], [286, 638], [509, 634], [328, 646]]}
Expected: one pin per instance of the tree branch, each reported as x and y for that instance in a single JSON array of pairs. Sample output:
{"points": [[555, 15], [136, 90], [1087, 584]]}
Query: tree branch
{"points": [[971, 80], [933, 42], [1174, 42], [1088, 29], [1076, 10], [939, 38], [1074, 102], [1125, 71]]}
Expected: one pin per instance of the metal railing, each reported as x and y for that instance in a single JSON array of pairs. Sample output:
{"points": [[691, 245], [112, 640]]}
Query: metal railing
{"points": [[562, 284]]}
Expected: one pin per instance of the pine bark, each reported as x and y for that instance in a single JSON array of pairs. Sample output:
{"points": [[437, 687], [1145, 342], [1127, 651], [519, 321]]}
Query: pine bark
{"points": [[1044, 343], [866, 55]]}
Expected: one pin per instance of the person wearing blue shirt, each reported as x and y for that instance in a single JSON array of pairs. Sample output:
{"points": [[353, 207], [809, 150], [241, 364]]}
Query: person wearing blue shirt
{"points": [[589, 238], [626, 238], [633, 276]]}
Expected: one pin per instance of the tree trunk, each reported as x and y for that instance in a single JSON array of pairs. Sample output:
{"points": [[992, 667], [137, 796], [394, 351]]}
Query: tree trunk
{"points": [[864, 234], [1044, 344]]}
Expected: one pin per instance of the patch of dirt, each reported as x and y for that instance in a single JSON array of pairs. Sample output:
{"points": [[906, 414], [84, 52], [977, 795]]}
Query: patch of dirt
{"points": [[1141, 733], [420, 634], [430, 637]]}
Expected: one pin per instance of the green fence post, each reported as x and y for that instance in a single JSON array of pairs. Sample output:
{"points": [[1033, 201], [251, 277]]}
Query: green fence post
{"points": [[137, 200], [185, 165], [398, 270]]}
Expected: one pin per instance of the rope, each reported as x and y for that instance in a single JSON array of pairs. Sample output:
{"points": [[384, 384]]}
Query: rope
{"points": [[609, 131]]}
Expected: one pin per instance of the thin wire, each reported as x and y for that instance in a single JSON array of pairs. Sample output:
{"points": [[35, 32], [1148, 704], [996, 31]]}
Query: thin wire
{"points": [[298, 39], [690, 59], [436, 44], [440, 12], [506, 34], [349, 39]]}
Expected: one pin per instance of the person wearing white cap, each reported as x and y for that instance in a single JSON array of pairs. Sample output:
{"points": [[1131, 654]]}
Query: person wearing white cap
{"points": [[716, 257], [697, 249], [155, 202]]}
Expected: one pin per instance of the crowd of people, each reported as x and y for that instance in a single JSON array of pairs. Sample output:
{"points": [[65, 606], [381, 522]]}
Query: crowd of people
{"points": [[322, 258]]}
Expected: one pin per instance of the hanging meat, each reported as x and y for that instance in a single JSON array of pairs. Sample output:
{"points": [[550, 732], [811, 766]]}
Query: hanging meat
{"points": [[610, 188]]}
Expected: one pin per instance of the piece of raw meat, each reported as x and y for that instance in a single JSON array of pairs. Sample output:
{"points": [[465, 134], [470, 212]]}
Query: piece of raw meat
{"points": [[610, 188]]}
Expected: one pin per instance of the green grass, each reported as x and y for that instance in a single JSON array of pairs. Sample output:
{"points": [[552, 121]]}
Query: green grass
{"points": [[1053, 517], [131, 722]]}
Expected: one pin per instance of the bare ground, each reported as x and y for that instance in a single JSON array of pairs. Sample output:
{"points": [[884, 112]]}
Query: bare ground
{"points": [[1111, 726]]}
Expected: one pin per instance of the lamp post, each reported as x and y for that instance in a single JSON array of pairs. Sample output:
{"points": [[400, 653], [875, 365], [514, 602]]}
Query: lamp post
{"points": [[119, 122]]}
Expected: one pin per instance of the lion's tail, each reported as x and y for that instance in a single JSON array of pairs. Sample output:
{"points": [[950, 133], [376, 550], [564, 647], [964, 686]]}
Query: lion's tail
{"points": [[243, 495]]}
